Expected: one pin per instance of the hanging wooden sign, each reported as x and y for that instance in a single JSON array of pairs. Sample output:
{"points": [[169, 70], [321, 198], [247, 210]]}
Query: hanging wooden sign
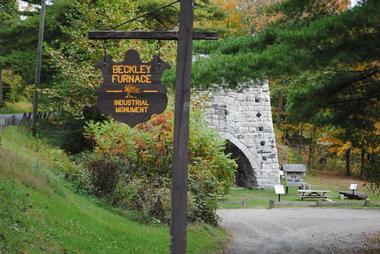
{"points": [[185, 36], [132, 91]]}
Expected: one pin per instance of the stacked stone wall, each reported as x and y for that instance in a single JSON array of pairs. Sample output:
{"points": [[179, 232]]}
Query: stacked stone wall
{"points": [[245, 119]]}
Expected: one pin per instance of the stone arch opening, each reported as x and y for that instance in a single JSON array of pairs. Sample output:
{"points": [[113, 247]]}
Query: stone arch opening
{"points": [[245, 175]]}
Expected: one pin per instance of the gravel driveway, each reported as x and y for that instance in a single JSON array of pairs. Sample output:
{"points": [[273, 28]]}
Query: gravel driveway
{"points": [[301, 230]]}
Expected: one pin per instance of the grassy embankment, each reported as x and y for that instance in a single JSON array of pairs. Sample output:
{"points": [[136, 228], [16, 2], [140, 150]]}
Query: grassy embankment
{"points": [[41, 213], [16, 107]]}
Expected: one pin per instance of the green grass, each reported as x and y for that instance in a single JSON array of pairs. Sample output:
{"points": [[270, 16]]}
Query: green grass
{"points": [[334, 183], [318, 180], [254, 198], [41, 213], [16, 107]]}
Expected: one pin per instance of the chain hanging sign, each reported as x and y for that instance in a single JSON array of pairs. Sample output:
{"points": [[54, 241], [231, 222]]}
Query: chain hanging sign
{"points": [[132, 91]]}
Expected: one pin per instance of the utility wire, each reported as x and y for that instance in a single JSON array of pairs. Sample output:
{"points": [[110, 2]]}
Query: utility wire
{"points": [[145, 14]]}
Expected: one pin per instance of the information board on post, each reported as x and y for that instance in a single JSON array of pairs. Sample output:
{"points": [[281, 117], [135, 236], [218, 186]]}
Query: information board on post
{"points": [[353, 187], [279, 189], [132, 91]]}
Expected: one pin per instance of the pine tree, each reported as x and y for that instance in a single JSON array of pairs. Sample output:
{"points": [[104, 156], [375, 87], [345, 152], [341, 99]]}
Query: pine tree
{"points": [[325, 57], [8, 13]]}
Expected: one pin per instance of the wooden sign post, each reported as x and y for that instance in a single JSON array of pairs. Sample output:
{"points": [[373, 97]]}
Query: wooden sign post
{"points": [[185, 36], [181, 129]]}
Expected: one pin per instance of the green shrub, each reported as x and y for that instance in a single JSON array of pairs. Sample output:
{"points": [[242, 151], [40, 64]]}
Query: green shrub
{"points": [[104, 176], [144, 155], [63, 164], [65, 132], [140, 194]]}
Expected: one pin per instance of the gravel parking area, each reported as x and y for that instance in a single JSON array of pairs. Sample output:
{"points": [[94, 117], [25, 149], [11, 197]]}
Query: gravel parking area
{"points": [[301, 230]]}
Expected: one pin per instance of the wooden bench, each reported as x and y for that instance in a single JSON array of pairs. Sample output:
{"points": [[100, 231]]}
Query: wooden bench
{"points": [[313, 194]]}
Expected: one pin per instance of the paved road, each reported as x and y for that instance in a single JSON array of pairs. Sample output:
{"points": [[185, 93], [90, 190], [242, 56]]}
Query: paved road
{"points": [[299, 231]]}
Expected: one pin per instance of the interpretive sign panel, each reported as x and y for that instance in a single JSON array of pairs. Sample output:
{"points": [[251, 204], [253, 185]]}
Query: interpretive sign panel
{"points": [[279, 189], [132, 89]]}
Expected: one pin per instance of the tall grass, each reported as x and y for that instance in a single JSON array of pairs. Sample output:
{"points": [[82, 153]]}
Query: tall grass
{"points": [[41, 213], [16, 107]]}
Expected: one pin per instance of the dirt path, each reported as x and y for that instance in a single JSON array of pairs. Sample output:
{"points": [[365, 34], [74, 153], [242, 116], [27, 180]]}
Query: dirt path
{"points": [[299, 231]]}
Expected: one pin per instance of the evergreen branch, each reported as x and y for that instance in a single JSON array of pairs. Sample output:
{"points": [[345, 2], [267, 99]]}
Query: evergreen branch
{"points": [[357, 99]]}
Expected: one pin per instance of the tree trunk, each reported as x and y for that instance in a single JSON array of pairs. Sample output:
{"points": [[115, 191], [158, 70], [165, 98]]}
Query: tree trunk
{"points": [[369, 157], [280, 109], [1, 89], [300, 139], [347, 156], [309, 159], [362, 158]]}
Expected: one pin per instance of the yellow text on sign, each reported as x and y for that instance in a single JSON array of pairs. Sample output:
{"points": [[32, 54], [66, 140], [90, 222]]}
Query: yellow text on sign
{"points": [[131, 74], [131, 106]]}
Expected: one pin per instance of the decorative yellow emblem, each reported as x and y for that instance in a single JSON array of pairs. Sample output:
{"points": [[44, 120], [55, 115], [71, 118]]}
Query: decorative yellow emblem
{"points": [[131, 89]]}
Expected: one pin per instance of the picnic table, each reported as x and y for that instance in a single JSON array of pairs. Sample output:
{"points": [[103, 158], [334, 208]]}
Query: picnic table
{"points": [[313, 194]]}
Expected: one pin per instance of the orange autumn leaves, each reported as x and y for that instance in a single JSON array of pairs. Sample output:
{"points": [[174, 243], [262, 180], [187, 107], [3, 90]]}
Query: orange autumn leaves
{"points": [[147, 149], [148, 144], [249, 17], [245, 16]]}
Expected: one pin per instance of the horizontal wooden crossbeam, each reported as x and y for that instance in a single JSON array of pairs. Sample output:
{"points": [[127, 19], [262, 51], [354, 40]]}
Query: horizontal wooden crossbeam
{"points": [[158, 35]]}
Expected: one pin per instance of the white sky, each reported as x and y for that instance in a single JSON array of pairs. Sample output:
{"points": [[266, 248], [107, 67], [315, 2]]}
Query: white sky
{"points": [[354, 2], [21, 5]]}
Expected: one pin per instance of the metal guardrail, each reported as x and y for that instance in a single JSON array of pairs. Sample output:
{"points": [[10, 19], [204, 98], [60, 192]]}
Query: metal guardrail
{"points": [[20, 119]]}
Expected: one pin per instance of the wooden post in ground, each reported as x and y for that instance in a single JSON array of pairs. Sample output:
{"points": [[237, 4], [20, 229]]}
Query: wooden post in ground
{"points": [[37, 78], [181, 129], [1, 88]]}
